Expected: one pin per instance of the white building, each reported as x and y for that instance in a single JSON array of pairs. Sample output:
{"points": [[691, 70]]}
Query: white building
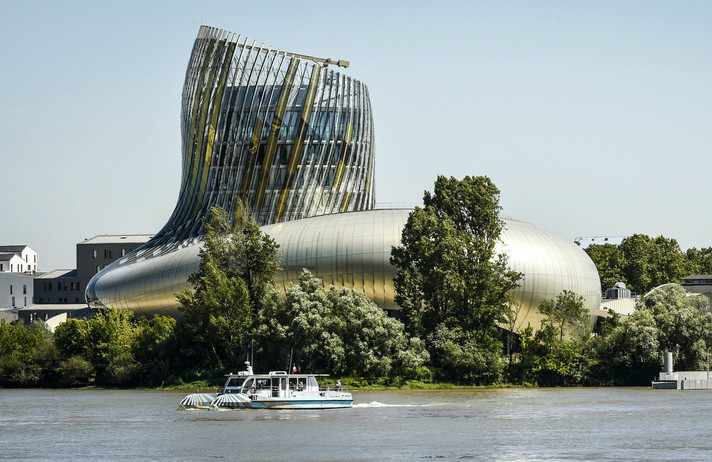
{"points": [[16, 290], [18, 263], [17, 259]]}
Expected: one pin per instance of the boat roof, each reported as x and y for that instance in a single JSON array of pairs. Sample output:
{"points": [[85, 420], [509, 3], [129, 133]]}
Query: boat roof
{"points": [[272, 374]]}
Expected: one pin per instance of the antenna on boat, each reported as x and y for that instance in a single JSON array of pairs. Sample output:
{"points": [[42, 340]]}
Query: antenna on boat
{"points": [[289, 369]]}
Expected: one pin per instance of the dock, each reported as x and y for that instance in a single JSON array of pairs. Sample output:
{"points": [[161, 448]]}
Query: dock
{"points": [[683, 380]]}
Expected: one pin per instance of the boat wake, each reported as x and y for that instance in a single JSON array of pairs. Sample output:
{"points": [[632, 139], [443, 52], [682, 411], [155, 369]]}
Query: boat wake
{"points": [[377, 404]]}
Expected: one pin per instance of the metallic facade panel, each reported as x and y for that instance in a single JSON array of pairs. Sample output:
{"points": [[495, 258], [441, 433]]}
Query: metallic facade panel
{"points": [[294, 140], [342, 251]]}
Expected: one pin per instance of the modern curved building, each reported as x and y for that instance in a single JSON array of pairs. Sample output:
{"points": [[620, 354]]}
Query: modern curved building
{"points": [[294, 139]]}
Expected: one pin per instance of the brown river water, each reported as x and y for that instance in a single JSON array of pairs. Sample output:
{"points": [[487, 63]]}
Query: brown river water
{"points": [[491, 424]]}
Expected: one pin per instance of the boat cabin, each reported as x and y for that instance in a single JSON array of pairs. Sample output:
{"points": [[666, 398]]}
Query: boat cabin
{"points": [[276, 384]]}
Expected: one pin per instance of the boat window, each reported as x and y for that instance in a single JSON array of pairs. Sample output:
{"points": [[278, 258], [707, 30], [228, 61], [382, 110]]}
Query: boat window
{"points": [[235, 381], [262, 383], [312, 382], [247, 386], [296, 384]]}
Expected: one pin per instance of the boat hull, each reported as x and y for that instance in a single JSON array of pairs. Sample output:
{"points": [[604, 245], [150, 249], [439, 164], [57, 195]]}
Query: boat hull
{"points": [[242, 401]]}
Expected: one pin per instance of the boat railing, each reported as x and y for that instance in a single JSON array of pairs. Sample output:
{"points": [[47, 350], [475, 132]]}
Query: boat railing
{"points": [[342, 388]]}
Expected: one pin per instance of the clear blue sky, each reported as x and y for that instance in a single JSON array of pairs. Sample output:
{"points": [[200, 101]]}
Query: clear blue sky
{"points": [[593, 118]]}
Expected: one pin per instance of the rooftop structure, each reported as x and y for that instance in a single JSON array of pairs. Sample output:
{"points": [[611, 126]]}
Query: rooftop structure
{"points": [[17, 259]]}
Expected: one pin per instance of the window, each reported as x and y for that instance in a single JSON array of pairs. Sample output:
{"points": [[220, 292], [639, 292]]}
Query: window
{"points": [[59, 286], [10, 289], [94, 254], [13, 302], [123, 252], [24, 289], [108, 253], [25, 302], [98, 268], [71, 286], [49, 286], [78, 286], [1, 267]]}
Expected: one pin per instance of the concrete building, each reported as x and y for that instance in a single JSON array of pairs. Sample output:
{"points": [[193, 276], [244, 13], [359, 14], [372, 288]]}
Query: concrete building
{"points": [[67, 286], [618, 299], [698, 284], [294, 140], [16, 290]]}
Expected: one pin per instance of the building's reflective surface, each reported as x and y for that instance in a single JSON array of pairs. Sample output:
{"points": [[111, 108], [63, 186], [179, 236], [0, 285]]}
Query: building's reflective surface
{"points": [[353, 250], [294, 140]]}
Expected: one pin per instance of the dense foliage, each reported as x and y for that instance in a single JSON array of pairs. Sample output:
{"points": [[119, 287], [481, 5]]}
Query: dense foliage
{"points": [[643, 262], [458, 323], [236, 311], [451, 284], [337, 330], [237, 265], [112, 348]]}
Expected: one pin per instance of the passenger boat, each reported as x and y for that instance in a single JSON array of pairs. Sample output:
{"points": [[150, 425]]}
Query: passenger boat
{"points": [[275, 390]]}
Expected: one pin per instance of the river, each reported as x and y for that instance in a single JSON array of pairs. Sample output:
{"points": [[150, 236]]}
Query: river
{"points": [[491, 424]]}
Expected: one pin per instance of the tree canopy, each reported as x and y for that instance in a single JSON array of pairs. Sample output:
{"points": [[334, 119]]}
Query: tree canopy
{"points": [[336, 330], [450, 283], [237, 265], [643, 262]]}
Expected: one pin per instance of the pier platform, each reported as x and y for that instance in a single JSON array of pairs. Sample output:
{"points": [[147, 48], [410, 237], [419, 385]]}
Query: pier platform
{"points": [[683, 380]]}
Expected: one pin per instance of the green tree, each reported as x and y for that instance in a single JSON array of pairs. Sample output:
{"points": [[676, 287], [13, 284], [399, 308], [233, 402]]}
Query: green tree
{"points": [[667, 319], [110, 333], [608, 259], [632, 344], [24, 351], [451, 284], [648, 262], [552, 358], [237, 266], [336, 330], [566, 311], [684, 325], [643, 262], [75, 372], [699, 261], [70, 337]]}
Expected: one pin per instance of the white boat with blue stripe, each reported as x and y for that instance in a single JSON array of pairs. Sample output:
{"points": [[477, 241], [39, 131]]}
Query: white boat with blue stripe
{"points": [[275, 390]]}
